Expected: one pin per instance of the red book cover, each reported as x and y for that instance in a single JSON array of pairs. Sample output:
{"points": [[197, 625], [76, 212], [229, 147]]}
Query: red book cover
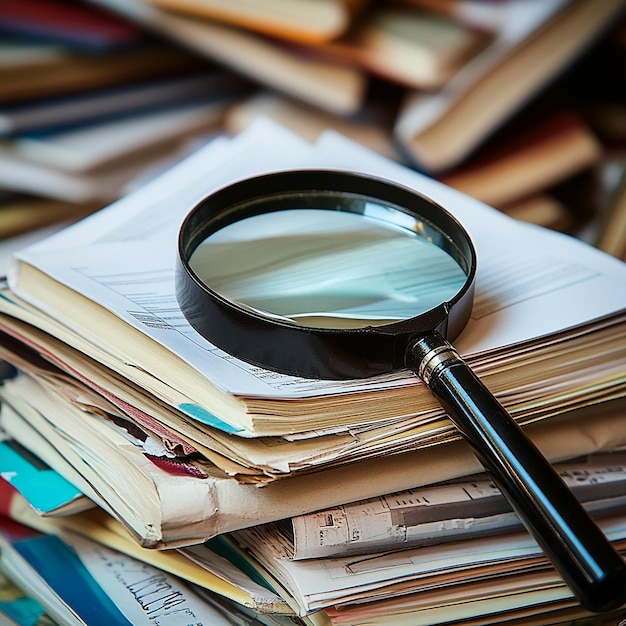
{"points": [[64, 22]]}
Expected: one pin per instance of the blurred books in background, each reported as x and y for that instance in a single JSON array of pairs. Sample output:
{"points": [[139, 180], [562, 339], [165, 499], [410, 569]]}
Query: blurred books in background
{"points": [[96, 93], [88, 101]]}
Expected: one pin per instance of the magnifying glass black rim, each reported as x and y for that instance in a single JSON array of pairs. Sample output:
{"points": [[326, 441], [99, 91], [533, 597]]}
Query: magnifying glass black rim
{"points": [[308, 351]]}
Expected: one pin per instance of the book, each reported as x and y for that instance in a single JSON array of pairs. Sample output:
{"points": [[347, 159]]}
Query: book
{"points": [[328, 85], [536, 44], [411, 47], [371, 127], [21, 213], [73, 72], [297, 20], [79, 109], [241, 399], [538, 150], [97, 187], [117, 142], [68, 23]]}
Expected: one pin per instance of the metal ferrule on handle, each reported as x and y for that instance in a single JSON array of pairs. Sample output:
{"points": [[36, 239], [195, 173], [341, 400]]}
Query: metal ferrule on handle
{"points": [[578, 549]]}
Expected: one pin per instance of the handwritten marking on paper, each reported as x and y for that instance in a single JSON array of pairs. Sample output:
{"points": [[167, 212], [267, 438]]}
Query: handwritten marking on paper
{"points": [[155, 593]]}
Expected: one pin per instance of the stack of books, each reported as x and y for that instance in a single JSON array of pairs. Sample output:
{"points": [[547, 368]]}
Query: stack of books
{"points": [[270, 497]]}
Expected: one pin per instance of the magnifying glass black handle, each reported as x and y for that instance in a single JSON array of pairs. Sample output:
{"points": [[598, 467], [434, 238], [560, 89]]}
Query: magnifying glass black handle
{"points": [[578, 549]]}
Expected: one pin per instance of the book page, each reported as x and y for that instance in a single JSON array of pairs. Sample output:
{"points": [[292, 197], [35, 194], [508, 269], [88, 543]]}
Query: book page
{"points": [[530, 281]]}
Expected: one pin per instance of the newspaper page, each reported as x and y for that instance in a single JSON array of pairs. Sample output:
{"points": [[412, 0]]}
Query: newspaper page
{"points": [[446, 512]]}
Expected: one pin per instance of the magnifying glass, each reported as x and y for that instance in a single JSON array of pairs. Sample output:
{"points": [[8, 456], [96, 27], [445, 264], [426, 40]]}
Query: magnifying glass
{"points": [[329, 274]]}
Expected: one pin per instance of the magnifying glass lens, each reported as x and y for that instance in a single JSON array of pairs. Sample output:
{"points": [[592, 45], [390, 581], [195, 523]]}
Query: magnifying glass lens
{"points": [[331, 268]]}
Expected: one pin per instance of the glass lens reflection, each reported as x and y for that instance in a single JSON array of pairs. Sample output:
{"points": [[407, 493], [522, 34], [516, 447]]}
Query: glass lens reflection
{"points": [[325, 268]]}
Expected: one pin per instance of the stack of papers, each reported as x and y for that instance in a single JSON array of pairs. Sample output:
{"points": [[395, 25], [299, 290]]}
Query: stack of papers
{"points": [[182, 443]]}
